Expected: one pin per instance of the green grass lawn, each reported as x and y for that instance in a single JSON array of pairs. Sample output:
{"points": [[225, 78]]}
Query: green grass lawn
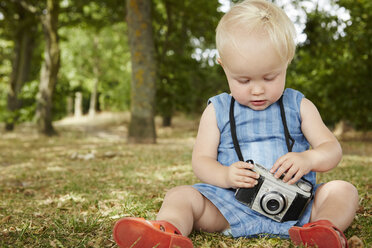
{"points": [[68, 190]]}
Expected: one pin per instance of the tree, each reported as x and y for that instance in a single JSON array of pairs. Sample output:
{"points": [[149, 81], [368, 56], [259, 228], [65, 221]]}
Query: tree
{"points": [[356, 86], [50, 68], [333, 68], [16, 24], [94, 18], [21, 26], [141, 43], [179, 25], [109, 53]]}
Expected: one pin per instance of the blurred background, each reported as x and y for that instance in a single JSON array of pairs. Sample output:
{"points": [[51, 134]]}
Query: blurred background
{"points": [[61, 58]]}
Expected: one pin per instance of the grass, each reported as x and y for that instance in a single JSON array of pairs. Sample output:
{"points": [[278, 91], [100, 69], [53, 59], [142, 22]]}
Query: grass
{"points": [[68, 190]]}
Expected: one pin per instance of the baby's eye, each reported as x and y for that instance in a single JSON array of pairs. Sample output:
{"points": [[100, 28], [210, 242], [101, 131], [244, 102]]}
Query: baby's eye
{"points": [[244, 81], [269, 79]]}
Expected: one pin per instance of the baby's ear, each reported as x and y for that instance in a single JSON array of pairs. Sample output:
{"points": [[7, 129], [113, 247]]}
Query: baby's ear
{"points": [[219, 61]]}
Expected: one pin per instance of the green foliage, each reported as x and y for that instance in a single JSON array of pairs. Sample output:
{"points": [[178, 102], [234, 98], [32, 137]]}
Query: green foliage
{"points": [[90, 16], [83, 49], [356, 70], [183, 81], [27, 97], [14, 21], [333, 69], [91, 13]]}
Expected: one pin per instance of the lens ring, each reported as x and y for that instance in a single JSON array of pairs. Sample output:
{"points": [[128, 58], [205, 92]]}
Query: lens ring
{"points": [[272, 202]]}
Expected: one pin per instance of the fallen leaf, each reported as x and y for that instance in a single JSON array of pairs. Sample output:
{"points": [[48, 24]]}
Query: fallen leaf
{"points": [[5, 219], [41, 230], [29, 192], [52, 244], [355, 242], [5, 233]]}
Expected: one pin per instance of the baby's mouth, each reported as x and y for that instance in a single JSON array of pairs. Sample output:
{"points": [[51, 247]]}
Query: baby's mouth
{"points": [[258, 102]]}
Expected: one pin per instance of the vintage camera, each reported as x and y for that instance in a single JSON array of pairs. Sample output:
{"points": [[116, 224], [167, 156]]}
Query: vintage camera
{"points": [[275, 199]]}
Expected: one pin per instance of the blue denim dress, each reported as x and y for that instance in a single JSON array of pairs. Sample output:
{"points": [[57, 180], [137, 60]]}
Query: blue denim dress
{"points": [[261, 138]]}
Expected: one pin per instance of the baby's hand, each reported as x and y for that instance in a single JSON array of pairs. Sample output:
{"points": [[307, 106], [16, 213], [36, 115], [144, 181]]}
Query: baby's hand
{"points": [[239, 176], [294, 165]]}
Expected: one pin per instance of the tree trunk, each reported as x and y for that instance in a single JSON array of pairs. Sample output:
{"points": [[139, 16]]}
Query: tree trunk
{"points": [[49, 70], [78, 110], [23, 49], [93, 99], [167, 120], [96, 73], [140, 33], [70, 106]]}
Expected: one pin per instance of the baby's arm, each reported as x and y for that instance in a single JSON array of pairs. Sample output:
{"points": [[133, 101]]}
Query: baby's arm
{"points": [[204, 158], [325, 154]]}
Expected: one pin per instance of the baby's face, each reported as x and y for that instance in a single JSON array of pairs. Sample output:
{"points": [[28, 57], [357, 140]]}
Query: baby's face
{"points": [[254, 70]]}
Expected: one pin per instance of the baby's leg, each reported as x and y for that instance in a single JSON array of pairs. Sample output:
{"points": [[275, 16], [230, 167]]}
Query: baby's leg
{"points": [[336, 201], [332, 212], [187, 209]]}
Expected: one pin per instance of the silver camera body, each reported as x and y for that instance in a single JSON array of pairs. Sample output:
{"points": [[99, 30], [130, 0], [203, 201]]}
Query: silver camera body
{"points": [[274, 198]]}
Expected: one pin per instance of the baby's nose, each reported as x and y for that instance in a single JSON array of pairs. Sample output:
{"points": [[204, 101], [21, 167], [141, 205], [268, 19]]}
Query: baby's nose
{"points": [[257, 89]]}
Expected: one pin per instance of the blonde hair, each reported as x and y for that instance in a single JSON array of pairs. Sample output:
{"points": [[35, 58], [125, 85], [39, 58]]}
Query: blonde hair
{"points": [[258, 15]]}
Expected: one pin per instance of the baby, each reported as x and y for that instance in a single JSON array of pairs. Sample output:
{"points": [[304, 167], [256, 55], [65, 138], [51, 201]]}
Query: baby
{"points": [[255, 41]]}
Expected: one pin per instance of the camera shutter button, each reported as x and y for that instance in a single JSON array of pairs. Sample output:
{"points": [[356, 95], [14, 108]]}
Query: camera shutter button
{"points": [[304, 186]]}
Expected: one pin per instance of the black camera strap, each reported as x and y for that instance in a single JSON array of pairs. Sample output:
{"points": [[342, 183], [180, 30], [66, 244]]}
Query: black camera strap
{"points": [[288, 139]]}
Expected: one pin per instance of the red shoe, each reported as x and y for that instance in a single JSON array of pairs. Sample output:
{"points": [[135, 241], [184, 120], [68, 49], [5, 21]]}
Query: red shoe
{"points": [[140, 233], [321, 233]]}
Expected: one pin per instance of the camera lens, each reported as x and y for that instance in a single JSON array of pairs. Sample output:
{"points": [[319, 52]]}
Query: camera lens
{"points": [[273, 203]]}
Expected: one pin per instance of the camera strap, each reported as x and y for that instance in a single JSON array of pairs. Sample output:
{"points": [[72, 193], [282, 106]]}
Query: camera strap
{"points": [[288, 139]]}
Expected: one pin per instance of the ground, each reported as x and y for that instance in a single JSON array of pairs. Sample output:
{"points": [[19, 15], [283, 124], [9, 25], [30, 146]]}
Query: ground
{"points": [[68, 190]]}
